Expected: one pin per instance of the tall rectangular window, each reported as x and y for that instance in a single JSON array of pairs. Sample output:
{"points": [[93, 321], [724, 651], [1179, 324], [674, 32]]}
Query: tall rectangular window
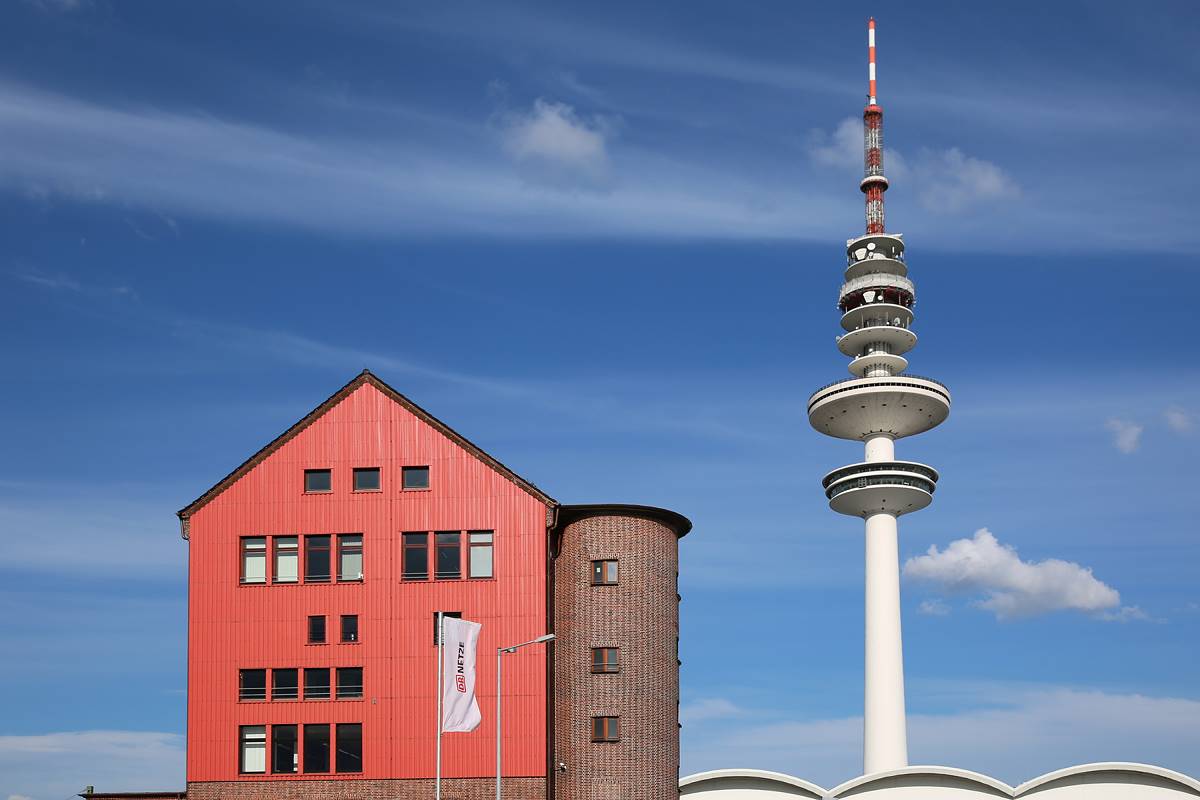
{"points": [[252, 684], [252, 748], [350, 557], [316, 559], [287, 559], [415, 477], [366, 479], [254, 559], [284, 685], [318, 480], [349, 682], [449, 555], [480, 550], [316, 748], [349, 627], [436, 632], [285, 757], [606, 659], [316, 630], [416, 556], [604, 729], [604, 572], [316, 684], [349, 748]]}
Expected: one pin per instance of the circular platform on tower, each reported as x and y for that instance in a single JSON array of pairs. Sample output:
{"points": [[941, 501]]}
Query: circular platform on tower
{"points": [[875, 487], [898, 405]]}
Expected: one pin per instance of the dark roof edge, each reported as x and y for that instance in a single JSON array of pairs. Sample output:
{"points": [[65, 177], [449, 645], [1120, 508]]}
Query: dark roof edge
{"points": [[366, 376], [677, 522], [130, 795]]}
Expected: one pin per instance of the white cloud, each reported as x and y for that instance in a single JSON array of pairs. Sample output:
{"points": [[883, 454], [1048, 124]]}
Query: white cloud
{"points": [[1127, 436], [933, 607], [1011, 733], [51, 766], [556, 144], [1011, 587], [842, 148], [1179, 420]]}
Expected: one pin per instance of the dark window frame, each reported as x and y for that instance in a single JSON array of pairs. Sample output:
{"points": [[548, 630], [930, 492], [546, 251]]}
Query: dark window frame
{"points": [[606, 660], [289, 693], [274, 741], [253, 694], [600, 572], [356, 636], [415, 470], [348, 689], [308, 757], [378, 487], [241, 746], [311, 690], [312, 544], [456, 547], [339, 745], [472, 545], [324, 638], [263, 553], [345, 548], [409, 541], [275, 552], [606, 729], [314, 472]]}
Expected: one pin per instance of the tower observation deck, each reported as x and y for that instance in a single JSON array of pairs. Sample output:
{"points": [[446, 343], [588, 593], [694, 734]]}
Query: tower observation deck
{"points": [[880, 404]]}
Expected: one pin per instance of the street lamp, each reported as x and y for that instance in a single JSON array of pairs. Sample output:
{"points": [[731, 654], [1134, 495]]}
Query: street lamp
{"points": [[500, 651]]}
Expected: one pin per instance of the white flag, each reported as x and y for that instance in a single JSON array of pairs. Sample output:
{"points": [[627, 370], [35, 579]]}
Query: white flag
{"points": [[460, 712]]}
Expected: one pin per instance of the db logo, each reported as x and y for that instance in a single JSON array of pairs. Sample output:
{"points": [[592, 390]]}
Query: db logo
{"points": [[460, 683]]}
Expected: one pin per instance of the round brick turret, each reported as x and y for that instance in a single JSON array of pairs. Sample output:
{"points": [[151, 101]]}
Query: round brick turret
{"points": [[635, 611]]}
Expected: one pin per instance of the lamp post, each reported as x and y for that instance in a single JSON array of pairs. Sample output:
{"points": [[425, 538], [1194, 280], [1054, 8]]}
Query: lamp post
{"points": [[500, 651]]}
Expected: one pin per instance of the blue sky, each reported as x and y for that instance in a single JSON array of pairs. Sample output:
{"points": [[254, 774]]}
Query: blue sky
{"points": [[604, 242]]}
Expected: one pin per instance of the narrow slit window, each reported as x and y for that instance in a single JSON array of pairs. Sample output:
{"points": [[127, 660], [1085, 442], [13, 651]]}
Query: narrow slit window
{"points": [[316, 684], [284, 684], [480, 563], [287, 559], [349, 627], [349, 682], [604, 573], [316, 630], [252, 749], [285, 756], [254, 559], [366, 479], [605, 729], [252, 684], [316, 748], [449, 555], [318, 480], [415, 477], [349, 748], [416, 556], [316, 559], [606, 659], [350, 557]]}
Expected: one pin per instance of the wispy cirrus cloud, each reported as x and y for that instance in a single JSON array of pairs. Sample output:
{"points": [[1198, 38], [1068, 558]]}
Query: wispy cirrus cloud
{"points": [[50, 766], [1179, 420], [1127, 434]]}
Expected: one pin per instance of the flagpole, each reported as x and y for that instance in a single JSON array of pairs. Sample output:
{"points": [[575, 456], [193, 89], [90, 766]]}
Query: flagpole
{"points": [[437, 784]]}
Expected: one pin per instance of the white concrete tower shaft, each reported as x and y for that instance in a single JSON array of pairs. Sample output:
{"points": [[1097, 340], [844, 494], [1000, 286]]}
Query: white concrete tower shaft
{"points": [[880, 404]]}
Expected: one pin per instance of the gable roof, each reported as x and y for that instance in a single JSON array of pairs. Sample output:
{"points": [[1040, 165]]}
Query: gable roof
{"points": [[364, 377]]}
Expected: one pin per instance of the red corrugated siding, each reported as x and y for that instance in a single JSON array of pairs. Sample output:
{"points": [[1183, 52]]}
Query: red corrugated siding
{"points": [[232, 626]]}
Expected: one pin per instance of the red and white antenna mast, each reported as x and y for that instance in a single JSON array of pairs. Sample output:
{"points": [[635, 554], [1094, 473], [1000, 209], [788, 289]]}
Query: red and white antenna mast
{"points": [[874, 184]]}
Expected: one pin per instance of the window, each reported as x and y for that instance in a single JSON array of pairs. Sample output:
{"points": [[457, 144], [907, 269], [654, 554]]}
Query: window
{"points": [[316, 630], [415, 477], [604, 572], [480, 554], [604, 729], [252, 684], [316, 559], [349, 748], [254, 559], [605, 659], [366, 479], [350, 557], [252, 748], [316, 748], [349, 627], [285, 757], [284, 684], [455, 614], [287, 559], [416, 556], [449, 555], [349, 682], [318, 480], [316, 684]]}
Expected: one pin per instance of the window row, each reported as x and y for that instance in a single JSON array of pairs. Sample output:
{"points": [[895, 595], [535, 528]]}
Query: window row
{"points": [[288, 563], [364, 479], [444, 551], [286, 752], [285, 683], [316, 629]]}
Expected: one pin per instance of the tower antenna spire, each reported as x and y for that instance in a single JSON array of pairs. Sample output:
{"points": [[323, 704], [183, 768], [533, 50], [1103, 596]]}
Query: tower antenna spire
{"points": [[873, 184]]}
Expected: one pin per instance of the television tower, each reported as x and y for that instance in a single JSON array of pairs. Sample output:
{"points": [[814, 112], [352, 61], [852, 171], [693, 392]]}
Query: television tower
{"points": [[880, 404]]}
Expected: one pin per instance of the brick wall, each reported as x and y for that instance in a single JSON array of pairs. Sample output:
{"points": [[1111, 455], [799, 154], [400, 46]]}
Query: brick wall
{"points": [[639, 615], [417, 789]]}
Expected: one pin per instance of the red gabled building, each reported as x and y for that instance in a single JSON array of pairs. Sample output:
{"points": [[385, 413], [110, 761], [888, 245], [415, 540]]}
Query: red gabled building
{"points": [[317, 567]]}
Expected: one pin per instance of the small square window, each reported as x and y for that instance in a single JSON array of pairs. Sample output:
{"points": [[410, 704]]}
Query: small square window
{"points": [[455, 614], [604, 729], [252, 684], [605, 659], [318, 480], [349, 627], [415, 477], [604, 572], [284, 684], [316, 630], [349, 682], [366, 479], [316, 684]]}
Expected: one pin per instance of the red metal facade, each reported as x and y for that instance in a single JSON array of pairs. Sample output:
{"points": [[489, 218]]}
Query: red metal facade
{"points": [[232, 626]]}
